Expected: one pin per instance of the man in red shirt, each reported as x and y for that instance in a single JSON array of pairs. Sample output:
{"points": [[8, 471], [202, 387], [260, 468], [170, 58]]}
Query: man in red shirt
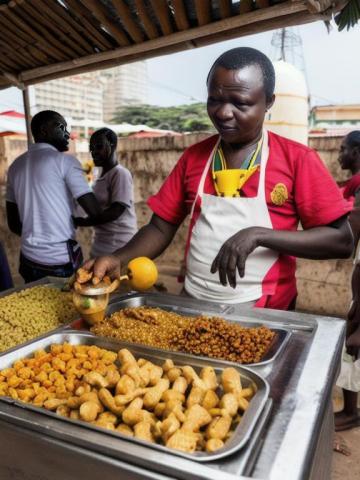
{"points": [[241, 245], [349, 159]]}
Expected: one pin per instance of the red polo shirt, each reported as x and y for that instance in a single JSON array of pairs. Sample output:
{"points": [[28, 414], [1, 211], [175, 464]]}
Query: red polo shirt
{"points": [[309, 187], [351, 187]]}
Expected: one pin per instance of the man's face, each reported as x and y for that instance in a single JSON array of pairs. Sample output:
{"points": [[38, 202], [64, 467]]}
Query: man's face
{"points": [[237, 104], [55, 132], [100, 149], [346, 155]]}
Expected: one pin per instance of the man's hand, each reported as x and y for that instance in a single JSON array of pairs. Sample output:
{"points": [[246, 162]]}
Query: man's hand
{"points": [[109, 265], [353, 342], [233, 254]]}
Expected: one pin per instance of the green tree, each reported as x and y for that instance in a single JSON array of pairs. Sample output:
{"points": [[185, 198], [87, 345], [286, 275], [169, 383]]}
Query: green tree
{"points": [[183, 118]]}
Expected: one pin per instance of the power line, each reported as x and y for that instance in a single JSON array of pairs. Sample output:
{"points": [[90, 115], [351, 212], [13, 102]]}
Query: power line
{"points": [[174, 90]]}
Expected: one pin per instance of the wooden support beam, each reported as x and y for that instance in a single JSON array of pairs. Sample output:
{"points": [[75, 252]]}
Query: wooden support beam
{"points": [[98, 10], [225, 8], [126, 17], [149, 27], [296, 18], [180, 17], [26, 101], [13, 79], [203, 11], [161, 10], [237, 22], [115, 62]]}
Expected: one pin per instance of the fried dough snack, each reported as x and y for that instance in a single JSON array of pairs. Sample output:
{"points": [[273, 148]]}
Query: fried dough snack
{"points": [[168, 404], [207, 336]]}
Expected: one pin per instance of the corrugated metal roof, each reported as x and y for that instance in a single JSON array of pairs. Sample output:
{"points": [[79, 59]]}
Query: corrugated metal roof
{"points": [[45, 39]]}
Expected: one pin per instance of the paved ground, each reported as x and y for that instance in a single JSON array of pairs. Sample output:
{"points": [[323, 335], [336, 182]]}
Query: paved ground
{"points": [[348, 468]]}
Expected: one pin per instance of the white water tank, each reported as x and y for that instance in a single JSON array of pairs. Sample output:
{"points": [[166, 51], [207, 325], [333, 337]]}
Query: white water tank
{"points": [[289, 114]]}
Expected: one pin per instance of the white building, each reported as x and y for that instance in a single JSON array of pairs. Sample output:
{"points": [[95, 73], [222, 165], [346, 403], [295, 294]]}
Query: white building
{"points": [[125, 85], [76, 98], [94, 96]]}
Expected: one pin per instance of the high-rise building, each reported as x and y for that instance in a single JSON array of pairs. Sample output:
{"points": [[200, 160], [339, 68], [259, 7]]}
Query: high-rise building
{"points": [[89, 99], [125, 85], [77, 98]]}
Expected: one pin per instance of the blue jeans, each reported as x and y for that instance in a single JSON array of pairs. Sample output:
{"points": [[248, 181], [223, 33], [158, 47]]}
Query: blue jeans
{"points": [[31, 271], [5, 275]]}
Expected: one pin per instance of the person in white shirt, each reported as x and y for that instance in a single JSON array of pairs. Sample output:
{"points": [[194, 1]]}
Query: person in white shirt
{"points": [[116, 225], [42, 184]]}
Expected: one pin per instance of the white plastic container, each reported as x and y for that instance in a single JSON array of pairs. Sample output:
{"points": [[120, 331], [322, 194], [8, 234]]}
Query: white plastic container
{"points": [[289, 114]]}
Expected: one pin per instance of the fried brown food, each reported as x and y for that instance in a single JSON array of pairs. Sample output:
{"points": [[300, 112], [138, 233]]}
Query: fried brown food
{"points": [[207, 336], [83, 276]]}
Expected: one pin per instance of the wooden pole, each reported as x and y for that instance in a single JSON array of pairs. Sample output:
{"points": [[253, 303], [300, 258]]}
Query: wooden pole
{"points": [[26, 101]]}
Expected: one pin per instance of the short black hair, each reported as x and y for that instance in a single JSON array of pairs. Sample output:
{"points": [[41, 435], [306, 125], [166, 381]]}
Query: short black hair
{"points": [[353, 139], [241, 57], [40, 119], [109, 134]]}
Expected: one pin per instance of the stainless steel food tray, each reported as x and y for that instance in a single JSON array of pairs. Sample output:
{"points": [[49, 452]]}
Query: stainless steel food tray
{"points": [[242, 433], [178, 305]]}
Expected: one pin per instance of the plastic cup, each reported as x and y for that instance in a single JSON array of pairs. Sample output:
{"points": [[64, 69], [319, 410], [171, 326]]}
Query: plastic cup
{"points": [[227, 182], [91, 308]]}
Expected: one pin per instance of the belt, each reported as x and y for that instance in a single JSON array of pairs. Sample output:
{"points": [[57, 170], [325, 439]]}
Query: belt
{"points": [[30, 263]]}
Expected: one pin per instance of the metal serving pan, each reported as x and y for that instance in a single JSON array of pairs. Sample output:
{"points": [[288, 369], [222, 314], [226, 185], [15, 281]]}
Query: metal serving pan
{"points": [[242, 433], [176, 304]]}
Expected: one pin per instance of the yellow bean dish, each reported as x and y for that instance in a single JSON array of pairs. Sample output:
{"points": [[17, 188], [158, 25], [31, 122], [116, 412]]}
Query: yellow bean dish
{"points": [[207, 336], [169, 405], [31, 312]]}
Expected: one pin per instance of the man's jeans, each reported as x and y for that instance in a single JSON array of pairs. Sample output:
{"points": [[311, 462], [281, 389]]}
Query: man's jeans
{"points": [[31, 271]]}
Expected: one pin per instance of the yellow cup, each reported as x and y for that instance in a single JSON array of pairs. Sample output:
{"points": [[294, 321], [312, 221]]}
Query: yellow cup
{"points": [[227, 181]]}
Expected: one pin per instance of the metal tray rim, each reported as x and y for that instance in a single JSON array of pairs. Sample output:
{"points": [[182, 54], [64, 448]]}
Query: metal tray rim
{"points": [[198, 456], [227, 317]]}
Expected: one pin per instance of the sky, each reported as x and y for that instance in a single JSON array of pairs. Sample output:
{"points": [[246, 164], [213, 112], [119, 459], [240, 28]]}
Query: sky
{"points": [[331, 63], [332, 66]]}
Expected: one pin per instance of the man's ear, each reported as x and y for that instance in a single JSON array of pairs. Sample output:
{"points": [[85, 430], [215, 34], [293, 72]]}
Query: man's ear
{"points": [[43, 131], [271, 102]]}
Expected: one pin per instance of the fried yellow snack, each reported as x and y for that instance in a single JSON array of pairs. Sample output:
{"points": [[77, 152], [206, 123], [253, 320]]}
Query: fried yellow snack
{"points": [[219, 427], [213, 444], [125, 429], [89, 411], [184, 441], [142, 430], [83, 276]]}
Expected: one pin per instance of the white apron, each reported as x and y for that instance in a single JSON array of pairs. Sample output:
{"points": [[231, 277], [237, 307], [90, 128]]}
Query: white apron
{"points": [[220, 218]]}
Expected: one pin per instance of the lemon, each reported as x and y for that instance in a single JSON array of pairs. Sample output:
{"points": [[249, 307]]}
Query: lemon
{"points": [[142, 273]]}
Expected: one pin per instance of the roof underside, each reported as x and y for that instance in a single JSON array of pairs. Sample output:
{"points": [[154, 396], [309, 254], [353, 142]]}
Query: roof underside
{"points": [[45, 39]]}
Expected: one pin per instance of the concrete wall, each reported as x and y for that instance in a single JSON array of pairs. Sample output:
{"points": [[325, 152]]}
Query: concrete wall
{"points": [[323, 285]]}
